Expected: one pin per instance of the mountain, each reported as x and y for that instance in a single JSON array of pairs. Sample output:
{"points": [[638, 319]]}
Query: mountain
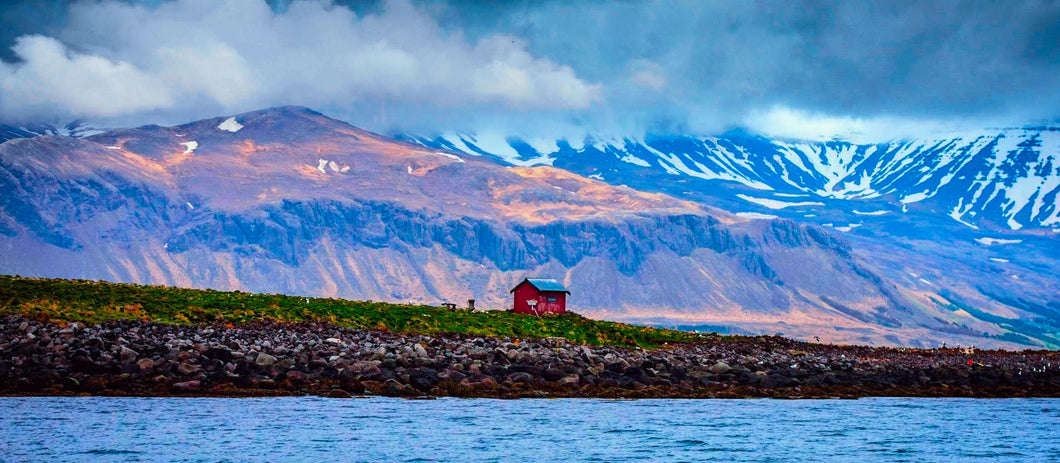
{"points": [[1000, 180], [288, 200], [969, 217]]}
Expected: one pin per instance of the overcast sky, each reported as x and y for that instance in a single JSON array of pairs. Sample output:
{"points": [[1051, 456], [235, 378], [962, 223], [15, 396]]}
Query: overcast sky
{"points": [[811, 69]]}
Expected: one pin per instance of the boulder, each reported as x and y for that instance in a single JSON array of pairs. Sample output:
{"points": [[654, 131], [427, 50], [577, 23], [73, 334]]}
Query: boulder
{"points": [[264, 360], [720, 368], [423, 378], [553, 374], [452, 375], [296, 377], [513, 355], [571, 380], [128, 355], [186, 368], [392, 388], [338, 394], [420, 351], [365, 367], [637, 374], [218, 353], [520, 377], [188, 386]]}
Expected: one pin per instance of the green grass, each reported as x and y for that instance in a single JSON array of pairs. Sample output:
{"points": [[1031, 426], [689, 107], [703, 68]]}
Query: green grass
{"points": [[93, 302]]}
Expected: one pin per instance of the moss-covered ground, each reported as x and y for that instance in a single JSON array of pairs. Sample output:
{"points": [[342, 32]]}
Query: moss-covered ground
{"points": [[95, 301]]}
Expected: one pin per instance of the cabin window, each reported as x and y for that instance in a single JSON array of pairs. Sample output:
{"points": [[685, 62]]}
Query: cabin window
{"points": [[551, 299]]}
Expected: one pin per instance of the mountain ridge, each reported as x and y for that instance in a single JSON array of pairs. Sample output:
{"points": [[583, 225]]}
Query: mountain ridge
{"points": [[1006, 180]]}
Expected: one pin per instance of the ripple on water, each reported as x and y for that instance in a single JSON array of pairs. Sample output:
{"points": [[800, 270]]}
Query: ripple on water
{"points": [[561, 430], [110, 452]]}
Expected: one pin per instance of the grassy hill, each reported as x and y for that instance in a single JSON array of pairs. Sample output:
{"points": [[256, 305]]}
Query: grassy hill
{"points": [[95, 301]]}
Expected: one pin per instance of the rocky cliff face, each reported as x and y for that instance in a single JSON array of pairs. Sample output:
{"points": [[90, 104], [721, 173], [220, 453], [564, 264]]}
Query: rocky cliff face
{"points": [[287, 200]]}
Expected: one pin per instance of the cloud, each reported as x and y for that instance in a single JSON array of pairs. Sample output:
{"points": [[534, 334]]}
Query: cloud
{"points": [[526, 66], [900, 60], [52, 80], [647, 74], [202, 55], [784, 122]]}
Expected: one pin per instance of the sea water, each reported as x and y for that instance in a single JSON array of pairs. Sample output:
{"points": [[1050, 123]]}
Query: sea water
{"points": [[387, 429]]}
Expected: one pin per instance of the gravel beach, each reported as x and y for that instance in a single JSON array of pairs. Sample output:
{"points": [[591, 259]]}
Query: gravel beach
{"points": [[135, 358]]}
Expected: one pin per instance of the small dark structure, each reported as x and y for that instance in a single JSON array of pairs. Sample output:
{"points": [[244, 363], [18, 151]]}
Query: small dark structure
{"points": [[538, 296], [452, 305]]}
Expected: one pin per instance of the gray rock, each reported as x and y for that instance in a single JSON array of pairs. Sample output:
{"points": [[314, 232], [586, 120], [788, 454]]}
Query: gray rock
{"points": [[520, 377], [128, 355], [420, 351], [367, 367], [571, 380], [513, 355], [720, 368], [186, 368], [423, 378], [193, 385], [264, 360], [296, 376], [393, 388], [553, 374]]}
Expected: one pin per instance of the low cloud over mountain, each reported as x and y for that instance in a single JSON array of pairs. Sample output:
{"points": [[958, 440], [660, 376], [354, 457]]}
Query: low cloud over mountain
{"points": [[851, 69]]}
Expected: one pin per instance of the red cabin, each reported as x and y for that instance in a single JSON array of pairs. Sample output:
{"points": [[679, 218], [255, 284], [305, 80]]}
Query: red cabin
{"points": [[538, 296]]}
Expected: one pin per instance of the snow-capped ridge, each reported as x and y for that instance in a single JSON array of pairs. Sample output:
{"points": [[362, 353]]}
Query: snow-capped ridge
{"points": [[1009, 177]]}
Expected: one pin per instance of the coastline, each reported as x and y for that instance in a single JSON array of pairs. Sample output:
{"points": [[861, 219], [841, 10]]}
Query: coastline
{"points": [[260, 359]]}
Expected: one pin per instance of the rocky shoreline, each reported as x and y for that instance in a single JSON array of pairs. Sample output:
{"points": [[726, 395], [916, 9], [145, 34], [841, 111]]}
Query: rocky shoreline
{"points": [[134, 358]]}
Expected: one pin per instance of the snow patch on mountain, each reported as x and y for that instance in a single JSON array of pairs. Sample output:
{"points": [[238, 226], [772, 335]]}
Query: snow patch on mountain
{"points": [[323, 165], [775, 204], [756, 215], [189, 146], [543, 145], [634, 160], [450, 156], [602, 143], [993, 241], [495, 144], [230, 125], [915, 197], [873, 213]]}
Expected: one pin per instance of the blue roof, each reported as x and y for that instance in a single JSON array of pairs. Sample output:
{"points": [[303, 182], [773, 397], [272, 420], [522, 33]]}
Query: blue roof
{"points": [[544, 284]]}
